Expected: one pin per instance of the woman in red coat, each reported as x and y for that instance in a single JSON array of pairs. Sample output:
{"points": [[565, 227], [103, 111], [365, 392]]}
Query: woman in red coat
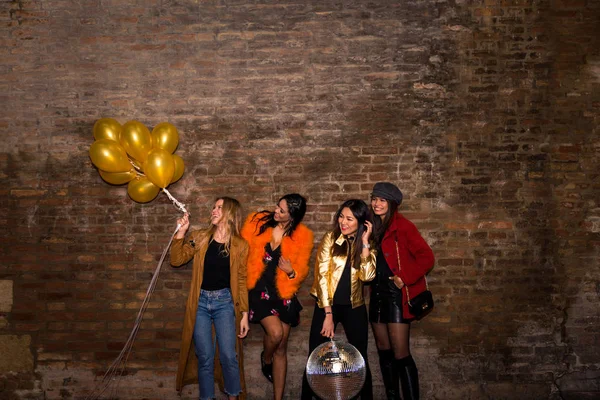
{"points": [[403, 260], [280, 248]]}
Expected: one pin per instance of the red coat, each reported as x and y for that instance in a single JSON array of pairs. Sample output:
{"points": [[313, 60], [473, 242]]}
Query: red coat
{"points": [[296, 248], [416, 257]]}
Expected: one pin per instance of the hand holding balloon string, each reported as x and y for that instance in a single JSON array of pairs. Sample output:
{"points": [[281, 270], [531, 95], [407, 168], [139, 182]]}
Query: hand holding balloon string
{"points": [[183, 224]]}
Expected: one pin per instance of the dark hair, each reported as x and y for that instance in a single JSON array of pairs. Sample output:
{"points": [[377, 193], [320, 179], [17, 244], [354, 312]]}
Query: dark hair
{"points": [[362, 213], [380, 225], [296, 207]]}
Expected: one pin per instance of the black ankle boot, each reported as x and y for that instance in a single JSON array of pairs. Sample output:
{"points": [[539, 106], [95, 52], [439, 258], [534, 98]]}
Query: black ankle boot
{"points": [[267, 369], [389, 373], [409, 378]]}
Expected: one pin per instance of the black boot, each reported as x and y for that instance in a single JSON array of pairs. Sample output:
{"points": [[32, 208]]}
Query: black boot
{"points": [[267, 369], [366, 393], [307, 393], [389, 372], [409, 378]]}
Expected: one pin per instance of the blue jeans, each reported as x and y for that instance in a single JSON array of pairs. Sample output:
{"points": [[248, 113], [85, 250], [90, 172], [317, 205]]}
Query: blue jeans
{"points": [[216, 307]]}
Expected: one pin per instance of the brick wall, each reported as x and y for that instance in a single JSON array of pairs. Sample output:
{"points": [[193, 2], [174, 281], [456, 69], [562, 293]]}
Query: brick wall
{"points": [[485, 113]]}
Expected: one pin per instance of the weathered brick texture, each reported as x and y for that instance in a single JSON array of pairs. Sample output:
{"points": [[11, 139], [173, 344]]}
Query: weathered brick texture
{"points": [[485, 113]]}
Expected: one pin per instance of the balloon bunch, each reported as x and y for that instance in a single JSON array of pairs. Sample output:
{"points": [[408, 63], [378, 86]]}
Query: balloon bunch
{"points": [[134, 155], [145, 161]]}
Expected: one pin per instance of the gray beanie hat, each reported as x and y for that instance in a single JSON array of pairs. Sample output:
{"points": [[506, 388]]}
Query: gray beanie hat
{"points": [[388, 191]]}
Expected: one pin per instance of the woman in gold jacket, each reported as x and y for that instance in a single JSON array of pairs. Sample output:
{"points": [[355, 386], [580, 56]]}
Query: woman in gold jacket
{"points": [[217, 305], [345, 261]]}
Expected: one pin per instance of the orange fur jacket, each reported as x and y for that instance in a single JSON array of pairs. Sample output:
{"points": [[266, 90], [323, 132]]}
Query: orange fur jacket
{"points": [[296, 248]]}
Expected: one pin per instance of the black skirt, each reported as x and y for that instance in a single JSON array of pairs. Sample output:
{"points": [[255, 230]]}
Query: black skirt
{"points": [[386, 303]]}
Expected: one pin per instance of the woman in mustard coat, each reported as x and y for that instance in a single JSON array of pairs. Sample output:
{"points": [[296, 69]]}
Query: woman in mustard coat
{"points": [[217, 305]]}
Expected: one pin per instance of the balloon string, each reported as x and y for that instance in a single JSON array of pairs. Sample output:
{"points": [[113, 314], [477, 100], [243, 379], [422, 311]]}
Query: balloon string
{"points": [[177, 203], [137, 169], [117, 368]]}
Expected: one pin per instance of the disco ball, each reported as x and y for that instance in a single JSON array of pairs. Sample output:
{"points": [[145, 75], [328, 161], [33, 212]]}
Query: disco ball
{"points": [[336, 370]]}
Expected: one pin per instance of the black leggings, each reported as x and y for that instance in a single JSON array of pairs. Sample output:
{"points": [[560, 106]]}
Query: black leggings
{"points": [[356, 327]]}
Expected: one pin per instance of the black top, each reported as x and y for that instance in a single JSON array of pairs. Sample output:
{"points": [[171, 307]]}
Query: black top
{"points": [[382, 269], [216, 267], [343, 292]]}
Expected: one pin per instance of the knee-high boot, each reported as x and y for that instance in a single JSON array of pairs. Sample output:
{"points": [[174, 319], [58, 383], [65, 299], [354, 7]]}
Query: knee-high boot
{"points": [[366, 392], [307, 393], [409, 378], [389, 373]]}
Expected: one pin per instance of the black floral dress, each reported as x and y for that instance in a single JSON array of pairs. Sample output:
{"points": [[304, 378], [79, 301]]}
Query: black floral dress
{"points": [[264, 299]]}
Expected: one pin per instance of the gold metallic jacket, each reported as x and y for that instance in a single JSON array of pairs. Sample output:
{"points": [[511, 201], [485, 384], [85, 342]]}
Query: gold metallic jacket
{"points": [[329, 268]]}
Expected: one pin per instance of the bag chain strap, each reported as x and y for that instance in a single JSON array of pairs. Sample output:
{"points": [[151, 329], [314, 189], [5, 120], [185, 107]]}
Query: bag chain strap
{"points": [[400, 267]]}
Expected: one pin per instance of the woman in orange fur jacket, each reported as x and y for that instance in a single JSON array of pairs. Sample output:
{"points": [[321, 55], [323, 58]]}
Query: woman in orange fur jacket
{"points": [[280, 248]]}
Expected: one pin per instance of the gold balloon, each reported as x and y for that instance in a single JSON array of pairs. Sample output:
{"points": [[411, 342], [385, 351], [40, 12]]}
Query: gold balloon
{"points": [[136, 140], [165, 136], [109, 156], [179, 168], [118, 178], [159, 167], [107, 128], [142, 190]]}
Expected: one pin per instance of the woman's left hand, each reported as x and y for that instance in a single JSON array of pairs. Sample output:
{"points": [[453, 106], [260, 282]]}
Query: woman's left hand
{"points": [[244, 326], [367, 233], [285, 265], [397, 281]]}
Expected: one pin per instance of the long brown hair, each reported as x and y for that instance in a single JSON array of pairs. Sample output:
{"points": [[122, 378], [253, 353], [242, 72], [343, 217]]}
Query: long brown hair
{"points": [[380, 225], [233, 214]]}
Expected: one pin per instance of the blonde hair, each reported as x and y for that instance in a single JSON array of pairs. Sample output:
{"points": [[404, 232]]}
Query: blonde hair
{"points": [[233, 215]]}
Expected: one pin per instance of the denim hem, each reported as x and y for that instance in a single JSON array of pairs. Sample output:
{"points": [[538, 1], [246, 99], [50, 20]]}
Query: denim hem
{"points": [[229, 394]]}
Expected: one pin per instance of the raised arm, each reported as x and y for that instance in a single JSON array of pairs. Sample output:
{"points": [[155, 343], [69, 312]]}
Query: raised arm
{"points": [[182, 250], [368, 266]]}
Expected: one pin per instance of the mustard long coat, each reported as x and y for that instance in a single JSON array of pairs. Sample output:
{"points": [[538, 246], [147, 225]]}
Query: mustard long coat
{"points": [[182, 251]]}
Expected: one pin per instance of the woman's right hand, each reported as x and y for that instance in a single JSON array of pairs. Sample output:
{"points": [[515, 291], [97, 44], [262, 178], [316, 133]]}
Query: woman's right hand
{"points": [[185, 224], [244, 326], [327, 330]]}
